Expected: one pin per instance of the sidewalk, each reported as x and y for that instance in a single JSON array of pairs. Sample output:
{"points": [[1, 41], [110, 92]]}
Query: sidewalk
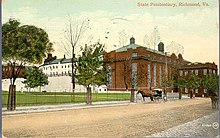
{"points": [[206, 126], [61, 107]]}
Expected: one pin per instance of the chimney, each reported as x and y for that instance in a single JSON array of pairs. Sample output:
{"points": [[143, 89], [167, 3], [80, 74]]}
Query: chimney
{"points": [[161, 47], [49, 56], [132, 40], [64, 56]]}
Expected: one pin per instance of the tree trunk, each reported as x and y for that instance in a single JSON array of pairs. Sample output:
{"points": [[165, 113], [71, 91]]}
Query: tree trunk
{"points": [[214, 100], [132, 95], [89, 96], [73, 71], [180, 95], [126, 86], [165, 93], [11, 98], [191, 95], [73, 75]]}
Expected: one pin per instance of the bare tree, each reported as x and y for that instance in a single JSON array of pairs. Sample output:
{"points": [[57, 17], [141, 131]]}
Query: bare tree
{"points": [[175, 48], [64, 47], [142, 77], [123, 37], [153, 39], [127, 73], [73, 33], [146, 41]]}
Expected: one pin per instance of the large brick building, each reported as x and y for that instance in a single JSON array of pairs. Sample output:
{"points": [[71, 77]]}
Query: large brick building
{"points": [[137, 66], [141, 67]]}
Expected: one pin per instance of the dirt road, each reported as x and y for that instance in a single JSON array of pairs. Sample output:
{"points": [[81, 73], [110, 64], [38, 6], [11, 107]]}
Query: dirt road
{"points": [[133, 120]]}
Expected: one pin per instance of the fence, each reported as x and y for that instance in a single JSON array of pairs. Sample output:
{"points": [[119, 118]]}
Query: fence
{"points": [[43, 98]]}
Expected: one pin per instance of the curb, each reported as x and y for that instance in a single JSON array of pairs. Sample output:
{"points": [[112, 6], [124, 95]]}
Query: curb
{"points": [[53, 108]]}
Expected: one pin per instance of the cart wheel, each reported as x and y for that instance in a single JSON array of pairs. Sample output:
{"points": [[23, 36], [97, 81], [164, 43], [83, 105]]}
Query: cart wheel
{"points": [[164, 98]]}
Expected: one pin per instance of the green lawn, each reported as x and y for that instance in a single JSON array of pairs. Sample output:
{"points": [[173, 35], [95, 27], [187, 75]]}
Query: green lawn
{"points": [[43, 98]]}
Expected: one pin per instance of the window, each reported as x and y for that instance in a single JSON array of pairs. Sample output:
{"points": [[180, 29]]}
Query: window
{"points": [[134, 54], [204, 71], [205, 90], [214, 72], [210, 71], [160, 75], [109, 76], [134, 74], [155, 75], [148, 75], [186, 73], [196, 90], [181, 89], [186, 90], [170, 73], [196, 72], [181, 73]]}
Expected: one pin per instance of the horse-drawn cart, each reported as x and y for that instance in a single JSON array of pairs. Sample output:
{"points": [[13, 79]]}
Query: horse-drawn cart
{"points": [[159, 94], [155, 94]]}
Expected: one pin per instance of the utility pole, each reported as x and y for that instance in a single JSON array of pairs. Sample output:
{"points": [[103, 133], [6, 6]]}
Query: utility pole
{"points": [[166, 72]]}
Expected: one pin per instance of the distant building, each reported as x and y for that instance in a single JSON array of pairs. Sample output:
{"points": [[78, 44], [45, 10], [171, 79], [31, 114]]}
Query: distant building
{"points": [[56, 67], [199, 69], [59, 72], [102, 88]]}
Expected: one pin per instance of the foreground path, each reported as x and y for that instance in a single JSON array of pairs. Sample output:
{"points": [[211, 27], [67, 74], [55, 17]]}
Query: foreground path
{"points": [[132, 120], [206, 126]]}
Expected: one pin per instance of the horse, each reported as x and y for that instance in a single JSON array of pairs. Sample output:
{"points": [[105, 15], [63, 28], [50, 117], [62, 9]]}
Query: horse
{"points": [[146, 93]]}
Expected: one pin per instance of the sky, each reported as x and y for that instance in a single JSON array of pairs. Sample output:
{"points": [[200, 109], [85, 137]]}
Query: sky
{"points": [[195, 28]]}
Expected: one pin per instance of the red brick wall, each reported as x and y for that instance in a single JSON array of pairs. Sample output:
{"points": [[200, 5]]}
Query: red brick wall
{"points": [[142, 67], [7, 72]]}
